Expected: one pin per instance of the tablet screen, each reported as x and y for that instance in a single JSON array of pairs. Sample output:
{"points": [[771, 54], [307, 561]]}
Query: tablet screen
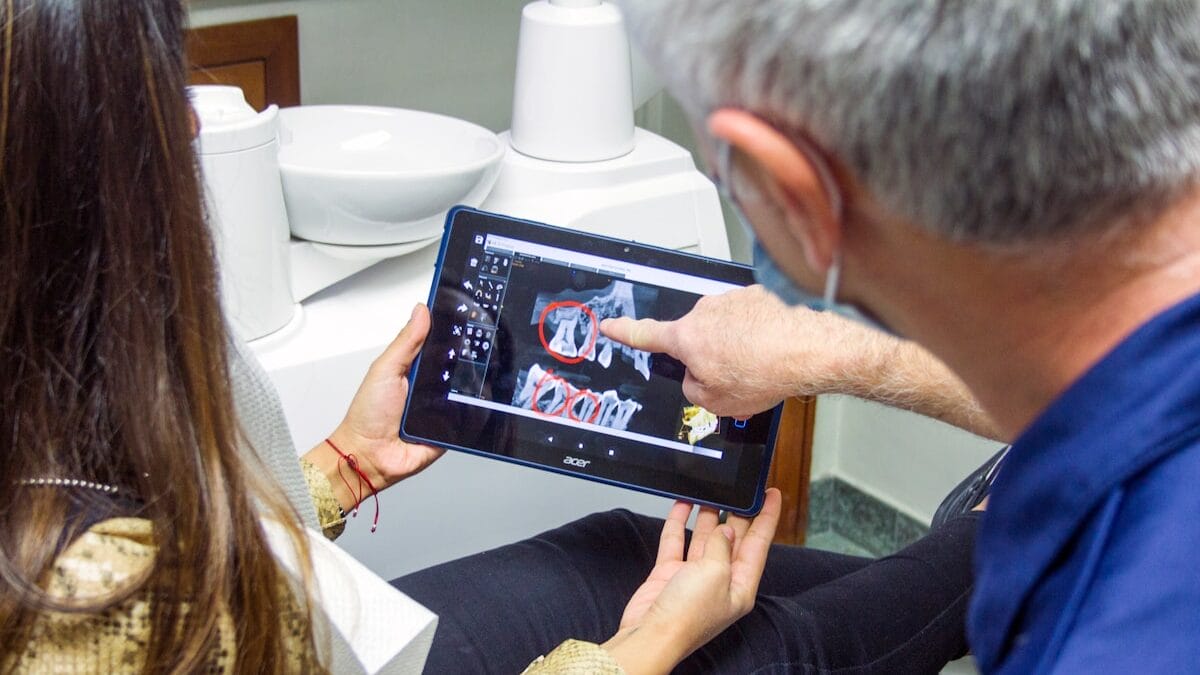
{"points": [[515, 366]]}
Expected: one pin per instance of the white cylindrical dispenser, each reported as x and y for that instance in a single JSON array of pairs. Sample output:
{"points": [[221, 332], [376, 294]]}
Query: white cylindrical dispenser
{"points": [[239, 158], [573, 98]]}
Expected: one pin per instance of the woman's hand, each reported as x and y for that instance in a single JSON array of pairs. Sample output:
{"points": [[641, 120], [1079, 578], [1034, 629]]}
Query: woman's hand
{"points": [[370, 430], [688, 600]]}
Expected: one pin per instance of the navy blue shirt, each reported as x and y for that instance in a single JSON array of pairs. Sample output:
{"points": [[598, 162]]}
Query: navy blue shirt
{"points": [[1088, 559]]}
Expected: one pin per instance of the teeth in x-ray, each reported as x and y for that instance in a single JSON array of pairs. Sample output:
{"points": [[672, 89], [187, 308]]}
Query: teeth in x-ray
{"points": [[559, 398], [641, 361], [615, 413], [572, 324], [523, 396], [564, 338], [605, 357]]}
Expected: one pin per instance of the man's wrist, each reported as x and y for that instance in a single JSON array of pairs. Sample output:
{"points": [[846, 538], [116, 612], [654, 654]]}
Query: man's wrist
{"points": [[840, 357], [888, 356]]}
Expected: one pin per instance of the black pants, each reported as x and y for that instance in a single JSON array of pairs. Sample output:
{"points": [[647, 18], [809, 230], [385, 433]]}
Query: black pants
{"points": [[817, 612]]}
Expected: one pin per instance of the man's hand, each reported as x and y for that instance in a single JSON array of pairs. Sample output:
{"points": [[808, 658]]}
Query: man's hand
{"points": [[688, 600], [370, 428], [745, 351]]}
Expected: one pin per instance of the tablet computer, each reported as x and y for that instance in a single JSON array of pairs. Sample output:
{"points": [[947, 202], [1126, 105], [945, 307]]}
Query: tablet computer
{"points": [[515, 368]]}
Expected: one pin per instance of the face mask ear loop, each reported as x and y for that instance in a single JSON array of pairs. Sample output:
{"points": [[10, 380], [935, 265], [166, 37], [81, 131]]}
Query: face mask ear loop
{"points": [[832, 278], [724, 182], [824, 174], [834, 195]]}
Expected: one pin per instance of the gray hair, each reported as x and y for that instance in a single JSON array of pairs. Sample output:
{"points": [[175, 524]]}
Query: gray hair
{"points": [[998, 122]]}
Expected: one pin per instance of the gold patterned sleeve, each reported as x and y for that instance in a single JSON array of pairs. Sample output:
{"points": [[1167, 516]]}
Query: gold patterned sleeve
{"points": [[575, 657], [329, 512], [107, 558]]}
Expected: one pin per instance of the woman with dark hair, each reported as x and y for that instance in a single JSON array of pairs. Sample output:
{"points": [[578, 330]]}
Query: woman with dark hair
{"points": [[119, 434], [142, 457]]}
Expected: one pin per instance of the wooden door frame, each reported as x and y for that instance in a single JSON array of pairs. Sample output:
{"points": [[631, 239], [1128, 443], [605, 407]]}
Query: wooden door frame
{"points": [[791, 467]]}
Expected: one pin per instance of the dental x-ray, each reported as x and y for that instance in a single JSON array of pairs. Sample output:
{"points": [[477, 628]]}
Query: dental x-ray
{"points": [[516, 366]]}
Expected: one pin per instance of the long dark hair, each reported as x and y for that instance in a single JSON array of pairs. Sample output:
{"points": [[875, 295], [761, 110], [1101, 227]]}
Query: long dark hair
{"points": [[113, 364]]}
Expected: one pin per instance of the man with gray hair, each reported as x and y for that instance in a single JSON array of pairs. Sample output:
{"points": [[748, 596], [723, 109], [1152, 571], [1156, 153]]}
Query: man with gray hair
{"points": [[1012, 185]]}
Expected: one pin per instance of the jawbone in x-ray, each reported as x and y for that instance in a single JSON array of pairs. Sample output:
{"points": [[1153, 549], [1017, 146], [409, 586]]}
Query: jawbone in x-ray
{"points": [[568, 325]]}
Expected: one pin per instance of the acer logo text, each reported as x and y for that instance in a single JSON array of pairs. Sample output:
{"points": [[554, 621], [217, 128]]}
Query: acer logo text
{"points": [[575, 461]]}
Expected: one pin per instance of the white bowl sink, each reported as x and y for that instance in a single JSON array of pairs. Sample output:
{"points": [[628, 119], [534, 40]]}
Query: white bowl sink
{"points": [[371, 176]]}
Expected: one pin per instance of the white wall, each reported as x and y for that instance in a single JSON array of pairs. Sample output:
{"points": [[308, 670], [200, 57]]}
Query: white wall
{"points": [[906, 460], [450, 56]]}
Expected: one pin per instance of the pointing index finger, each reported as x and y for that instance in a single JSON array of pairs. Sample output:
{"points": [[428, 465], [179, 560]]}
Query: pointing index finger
{"points": [[644, 334]]}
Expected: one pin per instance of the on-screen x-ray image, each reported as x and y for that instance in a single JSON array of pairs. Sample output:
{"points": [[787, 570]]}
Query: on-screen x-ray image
{"points": [[562, 367], [551, 395], [573, 319]]}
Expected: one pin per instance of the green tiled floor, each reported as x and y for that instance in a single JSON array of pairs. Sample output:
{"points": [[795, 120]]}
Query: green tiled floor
{"points": [[832, 541], [844, 519]]}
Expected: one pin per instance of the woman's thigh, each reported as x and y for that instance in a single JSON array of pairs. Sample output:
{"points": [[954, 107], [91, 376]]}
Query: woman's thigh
{"points": [[905, 613], [500, 609]]}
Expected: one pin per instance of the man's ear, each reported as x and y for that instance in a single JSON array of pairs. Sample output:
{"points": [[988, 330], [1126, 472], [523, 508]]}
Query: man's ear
{"points": [[810, 209]]}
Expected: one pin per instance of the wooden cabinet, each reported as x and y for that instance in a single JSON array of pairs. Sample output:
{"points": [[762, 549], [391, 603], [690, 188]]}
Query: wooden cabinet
{"points": [[262, 57]]}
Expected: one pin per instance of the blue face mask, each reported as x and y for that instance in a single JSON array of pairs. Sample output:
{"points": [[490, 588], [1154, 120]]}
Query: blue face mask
{"points": [[767, 273]]}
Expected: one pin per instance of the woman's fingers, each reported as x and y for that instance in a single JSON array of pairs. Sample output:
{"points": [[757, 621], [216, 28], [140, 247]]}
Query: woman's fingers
{"points": [[760, 529], [719, 545], [674, 533], [752, 547], [706, 522], [399, 355], [740, 526]]}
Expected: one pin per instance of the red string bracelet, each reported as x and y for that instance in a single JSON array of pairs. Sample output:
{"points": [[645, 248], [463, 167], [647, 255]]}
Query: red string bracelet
{"points": [[352, 462]]}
